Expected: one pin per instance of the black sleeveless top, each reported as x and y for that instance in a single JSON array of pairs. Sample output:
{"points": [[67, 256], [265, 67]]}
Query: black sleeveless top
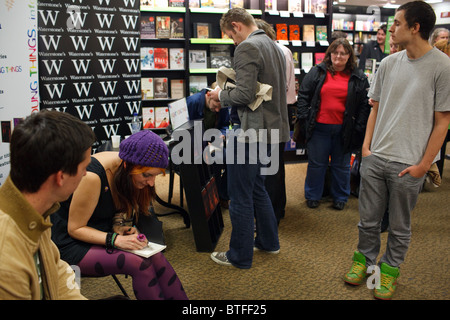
{"points": [[72, 250]]}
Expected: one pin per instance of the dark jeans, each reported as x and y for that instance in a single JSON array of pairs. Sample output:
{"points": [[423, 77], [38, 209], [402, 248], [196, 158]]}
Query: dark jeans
{"points": [[326, 142], [249, 202]]}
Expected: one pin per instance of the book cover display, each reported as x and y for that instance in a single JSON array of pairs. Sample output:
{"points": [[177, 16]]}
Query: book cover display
{"points": [[161, 57], [220, 56], [162, 27], [282, 31], [177, 88], [148, 30], [202, 30], [176, 58], [147, 58], [198, 59], [321, 33], [197, 83], [160, 88], [308, 32], [294, 32], [177, 28], [162, 117], [148, 117], [147, 88]]}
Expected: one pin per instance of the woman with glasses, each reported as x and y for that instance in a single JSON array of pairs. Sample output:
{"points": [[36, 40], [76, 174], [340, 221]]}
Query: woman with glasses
{"points": [[333, 109]]}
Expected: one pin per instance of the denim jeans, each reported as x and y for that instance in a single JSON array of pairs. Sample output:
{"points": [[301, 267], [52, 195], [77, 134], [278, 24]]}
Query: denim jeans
{"points": [[380, 187], [249, 202], [326, 141]]}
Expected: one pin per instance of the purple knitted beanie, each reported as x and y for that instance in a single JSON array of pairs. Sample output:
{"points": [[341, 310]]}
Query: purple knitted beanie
{"points": [[145, 148]]}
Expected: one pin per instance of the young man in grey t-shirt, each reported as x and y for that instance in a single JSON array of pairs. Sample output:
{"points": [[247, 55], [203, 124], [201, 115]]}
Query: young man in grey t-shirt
{"points": [[405, 131]]}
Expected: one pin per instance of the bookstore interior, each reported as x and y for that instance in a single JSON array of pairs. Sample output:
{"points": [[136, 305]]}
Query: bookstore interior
{"points": [[107, 62]]}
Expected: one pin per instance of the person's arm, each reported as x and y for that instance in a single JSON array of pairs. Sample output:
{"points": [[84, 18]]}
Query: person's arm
{"points": [[437, 137], [365, 151], [84, 202]]}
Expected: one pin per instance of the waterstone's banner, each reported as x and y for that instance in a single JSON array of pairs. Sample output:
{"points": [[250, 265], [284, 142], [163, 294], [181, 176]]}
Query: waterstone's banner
{"points": [[89, 62], [19, 95]]}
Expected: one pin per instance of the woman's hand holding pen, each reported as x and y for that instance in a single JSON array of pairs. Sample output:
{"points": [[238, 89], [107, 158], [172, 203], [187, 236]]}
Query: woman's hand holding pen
{"points": [[132, 241]]}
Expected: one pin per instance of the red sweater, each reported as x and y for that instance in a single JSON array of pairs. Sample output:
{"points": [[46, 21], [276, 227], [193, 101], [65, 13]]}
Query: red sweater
{"points": [[333, 96]]}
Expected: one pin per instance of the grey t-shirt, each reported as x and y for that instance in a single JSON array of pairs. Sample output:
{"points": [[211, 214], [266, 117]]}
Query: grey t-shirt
{"points": [[409, 91]]}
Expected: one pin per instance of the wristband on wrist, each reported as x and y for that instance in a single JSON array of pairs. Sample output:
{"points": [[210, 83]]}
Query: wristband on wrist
{"points": [[109, 242]]}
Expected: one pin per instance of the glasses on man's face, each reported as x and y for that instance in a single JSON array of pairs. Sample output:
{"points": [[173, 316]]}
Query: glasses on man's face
{"points": [[339, 54]]}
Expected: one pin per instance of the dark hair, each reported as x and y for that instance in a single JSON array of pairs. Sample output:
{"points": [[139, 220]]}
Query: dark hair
{"points": [[44, 143], [351, 63], [422, 13], [384, 28]]}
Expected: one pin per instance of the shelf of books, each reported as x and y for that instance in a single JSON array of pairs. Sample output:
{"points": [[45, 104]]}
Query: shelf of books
{"points": [[182, 46]]}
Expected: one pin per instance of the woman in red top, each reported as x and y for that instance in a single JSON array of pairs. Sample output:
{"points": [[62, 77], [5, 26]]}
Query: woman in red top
{"points": [[333, 109]]}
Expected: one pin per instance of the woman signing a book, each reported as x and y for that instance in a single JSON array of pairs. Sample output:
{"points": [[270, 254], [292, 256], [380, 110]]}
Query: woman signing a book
{"points": [[94, 229]]}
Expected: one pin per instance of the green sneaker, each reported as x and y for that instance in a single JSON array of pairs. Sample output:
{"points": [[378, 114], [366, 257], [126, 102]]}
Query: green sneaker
{"points": [[357, 272], [388, 282]]}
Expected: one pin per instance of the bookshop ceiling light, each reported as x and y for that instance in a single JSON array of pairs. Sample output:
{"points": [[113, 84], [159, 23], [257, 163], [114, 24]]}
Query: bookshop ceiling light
{"points": [[341, 1], [434, 1]]}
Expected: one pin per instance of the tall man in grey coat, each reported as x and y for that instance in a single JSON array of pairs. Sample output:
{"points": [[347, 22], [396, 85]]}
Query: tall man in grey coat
{"points": [[256, 59]]}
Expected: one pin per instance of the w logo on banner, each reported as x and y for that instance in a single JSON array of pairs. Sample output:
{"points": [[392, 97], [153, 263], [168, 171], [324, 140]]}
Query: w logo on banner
{"points": [[100, 85]]}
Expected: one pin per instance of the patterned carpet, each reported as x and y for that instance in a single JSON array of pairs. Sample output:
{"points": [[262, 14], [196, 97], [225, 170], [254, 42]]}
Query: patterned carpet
{"points": [[316, 250]]}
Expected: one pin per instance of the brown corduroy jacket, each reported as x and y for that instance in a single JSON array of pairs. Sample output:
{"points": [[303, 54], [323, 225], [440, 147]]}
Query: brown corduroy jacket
{"points": [[23, 232]]}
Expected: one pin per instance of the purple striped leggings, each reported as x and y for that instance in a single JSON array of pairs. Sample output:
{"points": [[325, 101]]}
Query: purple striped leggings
{"points": [[153, 277]]}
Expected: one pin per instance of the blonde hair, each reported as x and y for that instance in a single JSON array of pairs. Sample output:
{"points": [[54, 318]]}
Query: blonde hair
{"points": [[444, 46]]}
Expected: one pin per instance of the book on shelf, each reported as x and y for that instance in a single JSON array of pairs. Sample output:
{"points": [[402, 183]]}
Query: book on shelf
{"points": [[295, 5], [176, 58], [236, 3], [220, 56], [162, 27], [194, 3], [148, 3], [148, 117], [295, 57], [197, 83], [307, 61], [177, 88], [318, 57], [161, 3], [160, 88], [148, 27], [270, 5], [198, 59], [282, 31], [206, 3], [177, 28], [147, 88], [161, 57], [221, 4], [308, 32], [147, 58], [176, 3], [370, 67], [294, 32], [202, 30], [316, 6], [162, 119], [321, 33]]}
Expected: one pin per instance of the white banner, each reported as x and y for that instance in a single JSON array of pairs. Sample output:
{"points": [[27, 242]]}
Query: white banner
{"points": [[19, 94]]}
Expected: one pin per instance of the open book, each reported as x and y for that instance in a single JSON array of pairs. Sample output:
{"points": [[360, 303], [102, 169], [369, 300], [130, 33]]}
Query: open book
{"points": [[151, 249]]}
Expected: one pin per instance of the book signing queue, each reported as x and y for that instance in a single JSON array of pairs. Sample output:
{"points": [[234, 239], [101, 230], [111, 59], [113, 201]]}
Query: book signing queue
{"points": [[99, 99]]}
